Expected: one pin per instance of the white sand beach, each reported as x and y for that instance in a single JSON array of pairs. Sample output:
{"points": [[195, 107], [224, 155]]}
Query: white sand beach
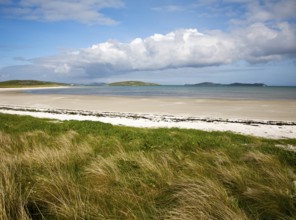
{"points": [[263, 118]]}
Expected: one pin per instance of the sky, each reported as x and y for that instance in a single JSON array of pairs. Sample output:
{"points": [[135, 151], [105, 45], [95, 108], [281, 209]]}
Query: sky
{"points": [[162, 41]]}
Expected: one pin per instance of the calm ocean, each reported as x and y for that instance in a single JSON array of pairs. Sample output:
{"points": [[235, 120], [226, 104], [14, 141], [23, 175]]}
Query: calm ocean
{"points": [[211, 92]]}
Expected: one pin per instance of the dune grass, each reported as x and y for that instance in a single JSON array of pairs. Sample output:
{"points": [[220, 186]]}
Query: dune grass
{"points": [[90, 170]]}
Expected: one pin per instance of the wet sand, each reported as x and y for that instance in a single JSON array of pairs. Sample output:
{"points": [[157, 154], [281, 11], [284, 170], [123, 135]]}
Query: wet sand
{"points": [[263, 118], [278, 110]]}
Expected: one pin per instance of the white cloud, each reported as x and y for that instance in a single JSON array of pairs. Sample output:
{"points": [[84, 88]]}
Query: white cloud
{"points": [[266, 11], [263, 36], [262, 43], [178, 49], [85, 11], [64, 68]]}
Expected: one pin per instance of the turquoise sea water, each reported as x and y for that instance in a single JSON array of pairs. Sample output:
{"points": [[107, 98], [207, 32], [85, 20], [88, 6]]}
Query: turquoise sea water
{"points": [[211, 92]]}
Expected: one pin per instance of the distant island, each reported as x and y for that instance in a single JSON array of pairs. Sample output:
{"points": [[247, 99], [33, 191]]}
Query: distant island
{"points": [[132, 83], [231, 84], [94, 84], [29, 84]]}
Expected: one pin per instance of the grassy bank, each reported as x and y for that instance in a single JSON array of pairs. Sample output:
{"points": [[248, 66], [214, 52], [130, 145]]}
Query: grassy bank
{"points": [[28, 84], [90, 170]]}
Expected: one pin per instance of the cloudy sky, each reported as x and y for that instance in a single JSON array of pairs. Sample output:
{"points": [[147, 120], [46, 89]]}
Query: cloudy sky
{"points": [[162, 41]]}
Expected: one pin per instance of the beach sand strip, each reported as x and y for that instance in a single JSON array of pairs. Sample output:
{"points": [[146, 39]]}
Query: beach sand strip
{"points": [[263, 118]]}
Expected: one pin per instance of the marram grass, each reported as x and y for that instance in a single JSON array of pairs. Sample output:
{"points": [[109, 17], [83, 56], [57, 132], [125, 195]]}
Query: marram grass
{"points": [[90, 170]]}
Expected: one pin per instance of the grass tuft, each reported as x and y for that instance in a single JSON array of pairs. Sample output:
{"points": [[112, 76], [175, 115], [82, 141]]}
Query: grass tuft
{"points": [[91, 170]]}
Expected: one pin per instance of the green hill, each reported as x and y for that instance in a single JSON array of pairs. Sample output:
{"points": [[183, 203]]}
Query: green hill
{"points": [[132, 83], [231, 84], [28, 83]]}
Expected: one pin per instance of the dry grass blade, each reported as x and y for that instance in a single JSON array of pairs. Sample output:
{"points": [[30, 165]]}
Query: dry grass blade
{"points": [[203, 199]]}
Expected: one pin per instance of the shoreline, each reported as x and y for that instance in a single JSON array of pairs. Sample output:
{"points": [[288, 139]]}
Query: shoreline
{"points": [[265, 129], [278, 110], [22, 89], [262, 118]]}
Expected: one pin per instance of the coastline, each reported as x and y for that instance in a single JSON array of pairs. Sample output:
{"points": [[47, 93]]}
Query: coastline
{"points": [[22, 89], [262, 118]]}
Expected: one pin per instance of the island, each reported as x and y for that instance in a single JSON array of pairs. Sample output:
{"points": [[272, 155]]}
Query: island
{"points": [[29, 84], [231, 84], [95, 84], [132, 83]]}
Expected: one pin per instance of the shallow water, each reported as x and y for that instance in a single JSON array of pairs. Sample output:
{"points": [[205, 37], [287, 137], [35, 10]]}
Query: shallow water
{"points": [[211, 92]]}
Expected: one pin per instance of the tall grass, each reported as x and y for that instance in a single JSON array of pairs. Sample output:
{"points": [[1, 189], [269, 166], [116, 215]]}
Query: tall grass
{"points": [[90, 170]]}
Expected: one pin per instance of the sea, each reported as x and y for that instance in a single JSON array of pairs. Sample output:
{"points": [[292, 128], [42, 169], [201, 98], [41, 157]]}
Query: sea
{"points": [[199, 92]]}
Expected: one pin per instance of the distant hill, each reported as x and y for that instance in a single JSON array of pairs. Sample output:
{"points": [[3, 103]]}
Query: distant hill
{"points": [[247, 84], [132, 83], [94, 84], [204, 84], [231, 84], [28, 83]]}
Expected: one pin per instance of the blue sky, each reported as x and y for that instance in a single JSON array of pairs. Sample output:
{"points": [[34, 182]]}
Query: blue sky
{"points": [[162, 41]]}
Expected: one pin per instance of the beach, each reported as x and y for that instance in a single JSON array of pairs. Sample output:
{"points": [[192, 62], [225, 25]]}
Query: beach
{"points": [[263, 118]]}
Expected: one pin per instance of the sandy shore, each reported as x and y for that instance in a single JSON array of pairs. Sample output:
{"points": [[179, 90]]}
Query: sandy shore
{"points": [[243, 116]]}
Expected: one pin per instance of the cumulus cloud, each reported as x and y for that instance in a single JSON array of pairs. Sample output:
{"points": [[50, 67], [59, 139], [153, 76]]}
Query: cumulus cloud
{"points": [[272, 9], [247, 12], [181, 48], [262, 43], [266, 10], [85, 11], [262, 36]]}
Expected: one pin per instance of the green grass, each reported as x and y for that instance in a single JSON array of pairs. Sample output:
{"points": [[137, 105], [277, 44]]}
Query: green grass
{"points": [[91, 170], [28, 83], [132, 83]]}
